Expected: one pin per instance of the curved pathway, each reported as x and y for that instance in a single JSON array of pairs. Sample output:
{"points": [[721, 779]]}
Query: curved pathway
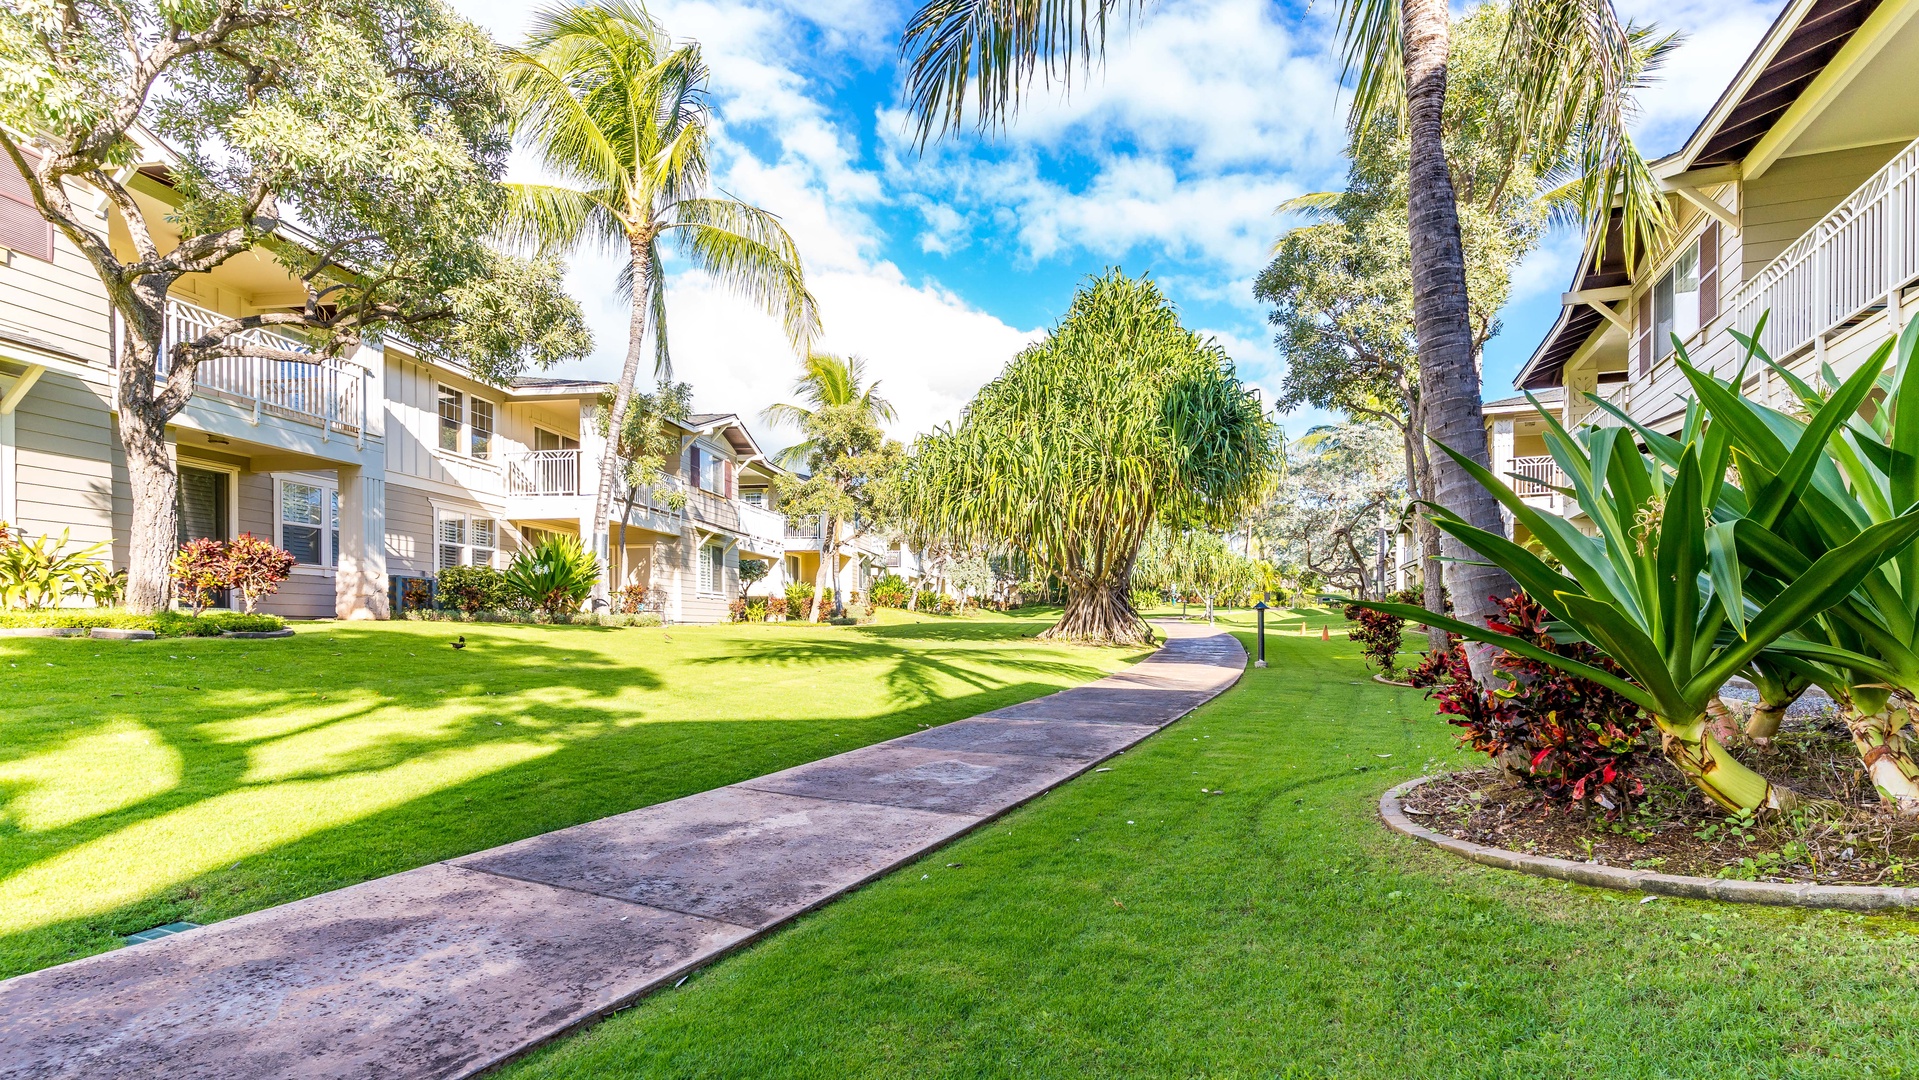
{"points": [[449, 969]]}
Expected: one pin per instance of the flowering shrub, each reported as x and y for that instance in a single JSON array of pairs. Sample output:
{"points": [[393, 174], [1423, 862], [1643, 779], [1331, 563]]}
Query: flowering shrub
{"points": [[256, 568], [776, 605], [1573, 740], [1380, 636], [200, 572]]}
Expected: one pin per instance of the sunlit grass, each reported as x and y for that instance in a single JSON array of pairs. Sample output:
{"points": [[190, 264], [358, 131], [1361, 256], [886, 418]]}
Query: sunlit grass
{"points": [[144, 782], [1130, 924]]}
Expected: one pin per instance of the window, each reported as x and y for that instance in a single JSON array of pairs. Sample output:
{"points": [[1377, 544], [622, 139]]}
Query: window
{"points": [[452, 541], [21, 227], [1675, 303], [754, 497], [482, 536], [481, 423], [203, 504], [333, 534], [709, 471], [712, 568], [553, 440], [451, 402], [301, 523]]}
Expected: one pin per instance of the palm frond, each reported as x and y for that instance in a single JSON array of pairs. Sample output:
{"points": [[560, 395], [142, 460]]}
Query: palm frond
{"points": [[748, 249]]}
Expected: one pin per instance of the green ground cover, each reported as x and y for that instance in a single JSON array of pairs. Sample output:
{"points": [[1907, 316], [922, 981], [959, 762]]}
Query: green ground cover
{"points": [[1128, 925], [186, 779]]}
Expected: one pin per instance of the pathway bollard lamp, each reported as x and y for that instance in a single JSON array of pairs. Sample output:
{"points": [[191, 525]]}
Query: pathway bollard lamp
{"points": [[1261, 608]]}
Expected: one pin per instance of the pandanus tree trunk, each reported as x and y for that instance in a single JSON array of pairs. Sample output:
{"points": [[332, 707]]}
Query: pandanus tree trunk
{"points": [[1880, 723], [1100, 612], [1695, 751], [1448, 371]]}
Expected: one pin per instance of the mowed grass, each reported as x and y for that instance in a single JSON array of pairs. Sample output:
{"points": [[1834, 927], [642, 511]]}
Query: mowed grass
{"points": [[1128, 925], [191, 779]]}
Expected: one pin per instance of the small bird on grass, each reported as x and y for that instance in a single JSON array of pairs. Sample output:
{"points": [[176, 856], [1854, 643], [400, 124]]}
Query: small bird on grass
{"points": [[460, 644]]}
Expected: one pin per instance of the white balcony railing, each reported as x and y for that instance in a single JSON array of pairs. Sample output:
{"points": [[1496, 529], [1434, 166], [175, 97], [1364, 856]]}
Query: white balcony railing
{"points": [[1536, 475], [326, 391], [543, 472], [766, 527], [1852, 262]]}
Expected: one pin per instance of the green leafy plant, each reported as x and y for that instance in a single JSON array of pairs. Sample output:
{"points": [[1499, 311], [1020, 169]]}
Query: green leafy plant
{"points": [[555, 576], [473, 589], [891, 591], [752, 572], [799, 598], [39, 572], [200, 572], [256, 568]]}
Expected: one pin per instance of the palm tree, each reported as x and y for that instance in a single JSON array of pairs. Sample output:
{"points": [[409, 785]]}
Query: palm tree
{"points": [[618, 113], [1576, 67], [827, 382]]}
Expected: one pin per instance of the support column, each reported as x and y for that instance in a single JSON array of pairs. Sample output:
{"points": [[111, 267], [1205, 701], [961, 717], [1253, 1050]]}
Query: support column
{"points": [[1500, 447], [360, 583]]}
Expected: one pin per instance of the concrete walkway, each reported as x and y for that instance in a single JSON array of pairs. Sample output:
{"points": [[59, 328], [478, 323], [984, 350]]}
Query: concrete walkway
{"points": [[449, 969]]}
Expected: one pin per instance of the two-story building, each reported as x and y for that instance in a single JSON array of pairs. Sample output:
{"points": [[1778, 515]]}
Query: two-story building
{"points": [[390, 463], [1797, 200]]}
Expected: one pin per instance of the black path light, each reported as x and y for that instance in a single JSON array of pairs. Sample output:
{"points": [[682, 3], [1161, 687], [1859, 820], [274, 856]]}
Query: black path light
{"points": [[1261, 608]]}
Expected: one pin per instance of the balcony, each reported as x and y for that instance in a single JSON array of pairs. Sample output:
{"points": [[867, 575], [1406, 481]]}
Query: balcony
{"points": [[1536, 476], [806, 535], [1845, 269], [543, 472], [328, 392], [763, 529]]}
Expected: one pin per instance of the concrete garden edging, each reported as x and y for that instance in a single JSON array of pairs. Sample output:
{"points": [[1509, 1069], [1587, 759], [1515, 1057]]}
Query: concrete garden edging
{"points": [[1838, 897], [256, 635], [43, 631]]}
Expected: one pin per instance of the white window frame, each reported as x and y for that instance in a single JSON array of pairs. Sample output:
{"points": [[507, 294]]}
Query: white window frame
{"points": [[1662, 343], [329, 536], [473, 429], [711, 576], [440, 391], [467, 519]]}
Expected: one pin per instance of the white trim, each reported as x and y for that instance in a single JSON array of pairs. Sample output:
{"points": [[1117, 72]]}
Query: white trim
{"points": [[329, 506], [233, 473], [467, 516], [9, 486]]}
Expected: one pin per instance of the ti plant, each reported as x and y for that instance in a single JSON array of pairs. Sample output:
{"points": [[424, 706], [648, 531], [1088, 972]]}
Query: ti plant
{"points": [[1866, 477], [1659, 587]]}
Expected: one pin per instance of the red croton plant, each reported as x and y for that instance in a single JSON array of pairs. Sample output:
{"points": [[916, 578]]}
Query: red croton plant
{"points": [[1572, 740]]}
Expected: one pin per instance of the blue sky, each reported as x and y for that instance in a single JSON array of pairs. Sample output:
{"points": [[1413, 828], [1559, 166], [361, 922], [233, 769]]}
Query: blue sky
{"points": [[937, 266]]}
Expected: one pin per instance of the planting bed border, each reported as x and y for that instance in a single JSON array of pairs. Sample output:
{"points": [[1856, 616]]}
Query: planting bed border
{"points": [[1840, 897]]}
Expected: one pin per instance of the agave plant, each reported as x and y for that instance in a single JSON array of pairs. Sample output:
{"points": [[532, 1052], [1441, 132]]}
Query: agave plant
{"points": [[1660, 586]]}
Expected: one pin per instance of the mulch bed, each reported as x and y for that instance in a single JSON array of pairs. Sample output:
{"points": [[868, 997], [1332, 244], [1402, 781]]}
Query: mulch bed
{"points": [[1674, 830]]}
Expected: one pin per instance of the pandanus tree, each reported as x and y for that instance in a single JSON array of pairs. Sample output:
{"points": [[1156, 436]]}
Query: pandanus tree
{"points": [[618, 113], [1866, 476], [1661, 588], [1119, 418], [1575, 66]]}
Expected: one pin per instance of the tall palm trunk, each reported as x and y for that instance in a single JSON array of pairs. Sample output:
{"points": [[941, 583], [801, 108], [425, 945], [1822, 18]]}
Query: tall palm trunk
{"points": [[641, 244], [1448, 370]]}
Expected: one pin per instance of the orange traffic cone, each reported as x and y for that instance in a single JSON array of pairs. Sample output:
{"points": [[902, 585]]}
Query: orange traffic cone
{"points": [[1325, 633]]}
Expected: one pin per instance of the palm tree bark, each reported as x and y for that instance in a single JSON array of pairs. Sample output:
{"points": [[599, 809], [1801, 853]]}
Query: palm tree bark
{"points": [[642, 244], [1448, 369]]}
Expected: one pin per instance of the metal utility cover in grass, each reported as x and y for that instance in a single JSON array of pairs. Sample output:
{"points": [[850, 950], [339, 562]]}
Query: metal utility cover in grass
{"points": [[158, 932]]}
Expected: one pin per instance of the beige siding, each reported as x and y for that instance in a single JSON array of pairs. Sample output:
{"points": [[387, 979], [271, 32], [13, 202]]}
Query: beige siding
{"points": [[70, 471], [409, 531], [1795, 193], [61, 302]]}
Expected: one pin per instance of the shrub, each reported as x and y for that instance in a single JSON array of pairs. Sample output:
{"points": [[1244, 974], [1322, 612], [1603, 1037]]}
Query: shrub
{"points": [[41, 573], [756, 608], [633, 599], [107, 588], [471, 589], [736, 609], [1572, 740], [554, 576], [1141, 599], [416, 594], [799, 599], [1380, 636], [165, 623], [776, 605], [200, 572], [928, 601], [256, 568], [947, 606], [752, 572], [891, 591]]}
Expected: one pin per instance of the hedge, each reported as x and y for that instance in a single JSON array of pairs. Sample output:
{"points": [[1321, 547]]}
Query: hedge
{"points": [[165, 624]]}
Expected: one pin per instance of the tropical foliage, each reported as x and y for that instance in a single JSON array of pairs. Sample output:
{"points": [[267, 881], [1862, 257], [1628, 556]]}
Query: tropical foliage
{"points": [[610, 105], [255, 568], [473, 589], [1119, 418], [1334, 512], [1196, 563], [45, 571], [554, 576], [377, 125]]}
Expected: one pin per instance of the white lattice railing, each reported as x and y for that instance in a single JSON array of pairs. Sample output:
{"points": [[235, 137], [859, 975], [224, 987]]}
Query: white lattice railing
{"points": [[543, 472], [1536, 475], [1856, 258], [327, 391]]}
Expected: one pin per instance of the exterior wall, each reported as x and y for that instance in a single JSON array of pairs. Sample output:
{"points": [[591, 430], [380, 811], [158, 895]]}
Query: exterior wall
{"points": [[70, 472], [409, 531], [61, 303], [1795, 193]]}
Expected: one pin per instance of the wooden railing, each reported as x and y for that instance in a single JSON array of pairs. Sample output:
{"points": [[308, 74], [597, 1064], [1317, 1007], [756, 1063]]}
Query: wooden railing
{"points": [[1536, 475], [1853, 262], [543, 472], [327, 391]]}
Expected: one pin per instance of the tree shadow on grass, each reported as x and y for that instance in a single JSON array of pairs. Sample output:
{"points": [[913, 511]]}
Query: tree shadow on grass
{"points": [[309, 764]]}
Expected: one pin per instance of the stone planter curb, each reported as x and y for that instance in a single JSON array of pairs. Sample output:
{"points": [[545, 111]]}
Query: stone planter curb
{"points": [[115, 633], [1384, 681], [256, 635], [43, 631], [1837, 897]]}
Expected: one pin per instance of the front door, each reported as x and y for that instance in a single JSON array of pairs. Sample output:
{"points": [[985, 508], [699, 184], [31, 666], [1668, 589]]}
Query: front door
{"points": [[203, 495]]}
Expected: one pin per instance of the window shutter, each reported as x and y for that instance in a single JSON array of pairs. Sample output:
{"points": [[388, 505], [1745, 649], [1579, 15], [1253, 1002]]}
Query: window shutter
{"points": [[1709, 273], [727, 488], [1644, 327], [21, 226], [693, 467]]}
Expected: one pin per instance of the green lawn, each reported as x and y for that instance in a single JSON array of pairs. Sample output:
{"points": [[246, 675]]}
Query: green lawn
{"points": [[1127, 925], [196, 779]]}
